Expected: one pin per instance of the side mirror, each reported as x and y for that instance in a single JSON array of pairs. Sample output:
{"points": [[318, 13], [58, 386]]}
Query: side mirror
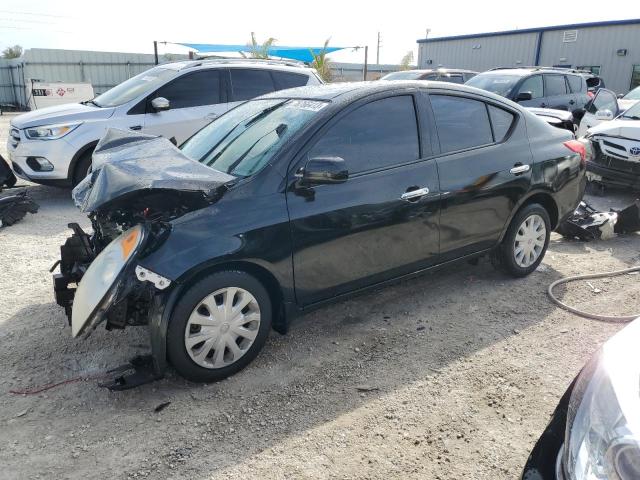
{"points": [[524, 96], [604, 114], [160, 104], [324, 170]]}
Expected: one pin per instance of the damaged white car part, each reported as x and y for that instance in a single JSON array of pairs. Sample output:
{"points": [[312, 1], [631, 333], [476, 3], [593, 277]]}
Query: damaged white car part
{"points": [[146, 275]]}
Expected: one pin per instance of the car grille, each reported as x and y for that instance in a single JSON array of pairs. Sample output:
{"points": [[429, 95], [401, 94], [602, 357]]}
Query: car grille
{"points": [[14, 135], [620, 165]]}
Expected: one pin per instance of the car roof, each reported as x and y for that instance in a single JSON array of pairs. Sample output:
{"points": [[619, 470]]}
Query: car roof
{"points": [[236, 63], [524, 71], [438, 70], [349, 91]]}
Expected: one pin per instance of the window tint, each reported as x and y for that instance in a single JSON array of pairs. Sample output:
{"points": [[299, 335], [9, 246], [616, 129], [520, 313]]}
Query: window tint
{"points": [[284, 80], [248, 84], [533, 85], [604, 100], [501, 121], [461, 122], [576, 83], [554, 85], [192, 90], [379, 134]]}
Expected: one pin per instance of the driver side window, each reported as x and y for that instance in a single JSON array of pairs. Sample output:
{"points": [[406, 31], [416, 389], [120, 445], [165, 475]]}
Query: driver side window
{"points": [[533, 85]]}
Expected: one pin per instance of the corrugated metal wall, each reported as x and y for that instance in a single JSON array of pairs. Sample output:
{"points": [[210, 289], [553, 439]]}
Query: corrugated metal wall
{"points": [[595, 46], [479, 54]]}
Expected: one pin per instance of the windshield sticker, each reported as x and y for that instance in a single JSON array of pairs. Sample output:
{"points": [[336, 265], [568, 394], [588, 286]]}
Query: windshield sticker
{"points": [[311, 105], [499, 80]]}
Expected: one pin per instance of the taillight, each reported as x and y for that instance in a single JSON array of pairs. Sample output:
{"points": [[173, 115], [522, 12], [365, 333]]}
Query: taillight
{"points": [[591, 94], [577, 147]]}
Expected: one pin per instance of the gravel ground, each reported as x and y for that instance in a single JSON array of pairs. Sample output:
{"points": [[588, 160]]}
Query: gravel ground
{"points": [[449, 376]]}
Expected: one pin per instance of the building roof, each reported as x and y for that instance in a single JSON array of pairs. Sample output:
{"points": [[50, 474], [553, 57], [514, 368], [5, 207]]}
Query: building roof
{"points": [[609, 23]]}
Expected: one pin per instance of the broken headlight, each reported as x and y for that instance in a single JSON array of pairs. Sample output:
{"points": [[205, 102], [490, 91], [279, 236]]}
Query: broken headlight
{"points": [[603, 430], [99, 284]]}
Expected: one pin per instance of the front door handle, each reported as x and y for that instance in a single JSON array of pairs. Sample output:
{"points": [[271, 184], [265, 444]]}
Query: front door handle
{"points": [[520, 169], [414, 194], [543, 105], [135, 127]]}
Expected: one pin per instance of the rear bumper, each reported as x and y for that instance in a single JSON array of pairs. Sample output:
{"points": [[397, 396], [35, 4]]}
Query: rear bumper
{"points": [[620, 173]]}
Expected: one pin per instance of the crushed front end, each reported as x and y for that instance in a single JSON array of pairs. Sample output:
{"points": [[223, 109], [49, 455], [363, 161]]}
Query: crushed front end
{"points": [[131, 204], [616, 159]]}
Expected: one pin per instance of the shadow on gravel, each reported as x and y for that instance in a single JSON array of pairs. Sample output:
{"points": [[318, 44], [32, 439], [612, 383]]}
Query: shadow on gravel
{"points": [[333, 361]]}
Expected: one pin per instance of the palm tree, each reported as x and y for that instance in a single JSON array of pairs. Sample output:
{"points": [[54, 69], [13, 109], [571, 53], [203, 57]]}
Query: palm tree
{"points": [[259, 51], [321, 63]]}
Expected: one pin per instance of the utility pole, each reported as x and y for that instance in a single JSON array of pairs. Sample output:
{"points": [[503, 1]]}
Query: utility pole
{"points": [[378, 50], [366, 67], [155, 51]]}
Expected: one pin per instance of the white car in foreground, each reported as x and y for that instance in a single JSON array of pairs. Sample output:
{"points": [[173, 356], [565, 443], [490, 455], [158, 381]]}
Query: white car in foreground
{"points": [[54, 145]]}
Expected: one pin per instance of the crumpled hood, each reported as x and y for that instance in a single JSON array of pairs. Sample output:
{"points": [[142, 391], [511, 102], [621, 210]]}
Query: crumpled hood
{"points": [[69, 112], [618, 128], [125, 163]]}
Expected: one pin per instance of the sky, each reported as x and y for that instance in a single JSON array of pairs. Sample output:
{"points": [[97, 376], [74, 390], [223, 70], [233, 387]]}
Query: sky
{"points": [[132, 26]]}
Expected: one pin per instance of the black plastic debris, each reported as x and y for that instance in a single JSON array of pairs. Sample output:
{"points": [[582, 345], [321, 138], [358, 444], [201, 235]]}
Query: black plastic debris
{"points": [[7, 178], [14, 206], [587, 223]]}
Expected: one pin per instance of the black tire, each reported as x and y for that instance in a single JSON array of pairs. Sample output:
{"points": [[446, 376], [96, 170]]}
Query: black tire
{"points": [[505, 254], [10, 181], [82, 168], [176, 348]]}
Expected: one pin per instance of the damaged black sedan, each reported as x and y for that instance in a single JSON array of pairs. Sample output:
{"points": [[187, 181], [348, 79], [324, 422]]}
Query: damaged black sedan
{"points": [[300, 198]]}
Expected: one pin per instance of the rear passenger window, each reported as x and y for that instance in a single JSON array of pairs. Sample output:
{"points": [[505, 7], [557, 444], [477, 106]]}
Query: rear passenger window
{"points": [[382, 133], [246, 84], [192, 90], [576, 83], [554, 85], [461, 122], [501, 121], [453, 78], [285, 80]]}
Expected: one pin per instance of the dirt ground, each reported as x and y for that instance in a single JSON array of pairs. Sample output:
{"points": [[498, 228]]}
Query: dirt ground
{"points": [[449, 376]]}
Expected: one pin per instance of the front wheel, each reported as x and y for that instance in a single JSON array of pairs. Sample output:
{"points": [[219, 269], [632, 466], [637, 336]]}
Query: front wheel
{"points": [[219, 326], [525, 242]]}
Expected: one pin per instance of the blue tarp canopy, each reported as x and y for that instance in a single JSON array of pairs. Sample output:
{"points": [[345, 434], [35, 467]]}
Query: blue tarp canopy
{"points": [[302, 54]]}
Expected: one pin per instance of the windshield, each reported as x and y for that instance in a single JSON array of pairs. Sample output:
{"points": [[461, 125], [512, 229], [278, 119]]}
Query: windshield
{"points": [[245, 139], [135, 86], [633, 94], [407, 75], [498, 84], [633, 113]]}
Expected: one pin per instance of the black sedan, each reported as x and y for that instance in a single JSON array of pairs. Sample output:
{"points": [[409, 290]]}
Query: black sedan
{"points": [[594, 433], [303, 197]]}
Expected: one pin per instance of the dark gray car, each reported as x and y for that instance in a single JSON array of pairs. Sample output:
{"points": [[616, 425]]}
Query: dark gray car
{"points": [[438, 74], [536, 87]]}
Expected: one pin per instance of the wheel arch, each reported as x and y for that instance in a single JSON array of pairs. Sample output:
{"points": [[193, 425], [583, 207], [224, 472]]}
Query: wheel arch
{"points": [[77, 156], [261, 273], [541, 197]]}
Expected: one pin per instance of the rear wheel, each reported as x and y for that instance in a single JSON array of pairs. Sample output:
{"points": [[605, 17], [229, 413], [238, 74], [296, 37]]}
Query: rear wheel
{"points": [[525, 242], [219, 326]]}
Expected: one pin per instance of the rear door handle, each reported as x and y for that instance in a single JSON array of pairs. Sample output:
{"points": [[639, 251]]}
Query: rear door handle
{"points": [[135, 127], [414, 194], [519, 169]]}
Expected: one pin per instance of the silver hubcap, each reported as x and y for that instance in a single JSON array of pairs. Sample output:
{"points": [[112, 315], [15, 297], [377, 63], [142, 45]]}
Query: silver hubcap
{"points": [[529, 241], [222, 327]]}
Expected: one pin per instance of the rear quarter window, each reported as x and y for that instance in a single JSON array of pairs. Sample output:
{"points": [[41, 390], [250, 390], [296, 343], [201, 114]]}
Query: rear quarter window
{"points": [[501, 120]]}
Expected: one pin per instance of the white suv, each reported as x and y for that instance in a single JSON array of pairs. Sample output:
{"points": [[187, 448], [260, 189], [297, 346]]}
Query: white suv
{"points": [[54, 145]]}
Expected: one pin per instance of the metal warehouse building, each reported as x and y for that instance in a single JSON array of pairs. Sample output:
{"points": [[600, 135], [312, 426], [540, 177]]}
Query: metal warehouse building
{"points": [[609, 49]]}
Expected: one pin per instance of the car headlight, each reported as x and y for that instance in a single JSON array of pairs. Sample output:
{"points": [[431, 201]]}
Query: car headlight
{"points": [[51, 132], [99, 283], [603, 427]]}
